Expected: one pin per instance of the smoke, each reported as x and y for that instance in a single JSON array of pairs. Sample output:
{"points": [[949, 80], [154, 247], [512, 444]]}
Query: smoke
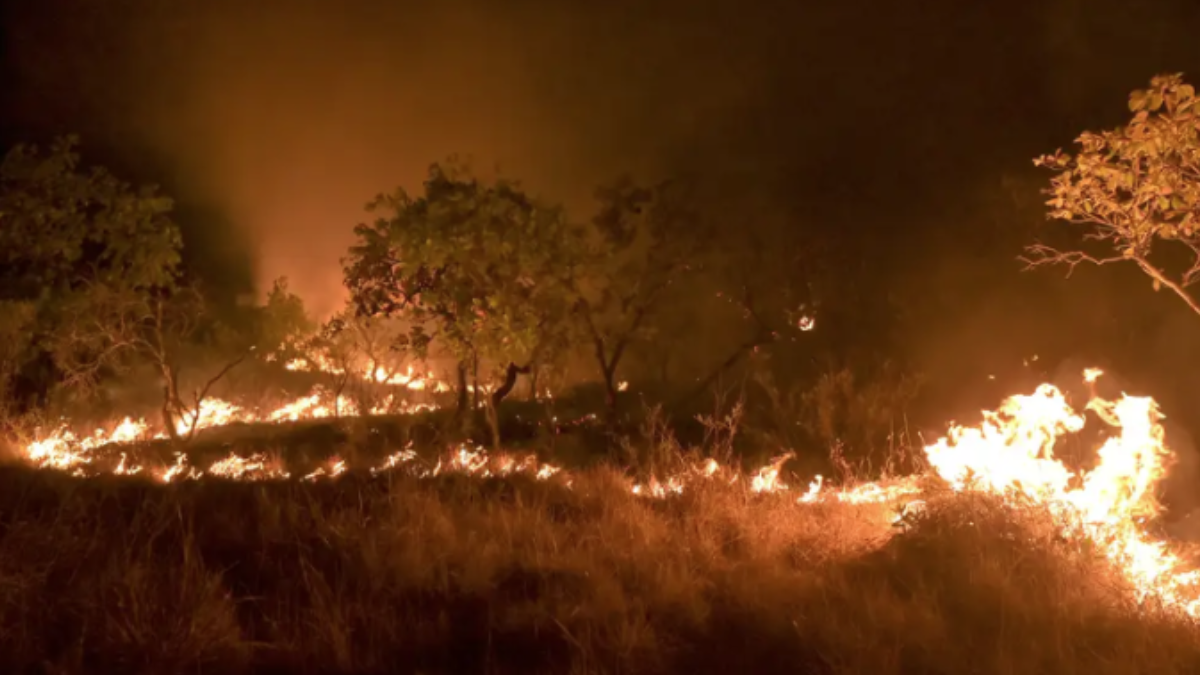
{"points": [[285, 118], [874, 124]]}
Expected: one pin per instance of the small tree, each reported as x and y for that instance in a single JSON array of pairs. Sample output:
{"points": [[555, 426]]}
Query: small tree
{"points": [[281, 323], [645, 241], [1135, 190], [113, 330], [360, 352], [68, 234], [481, 268]]}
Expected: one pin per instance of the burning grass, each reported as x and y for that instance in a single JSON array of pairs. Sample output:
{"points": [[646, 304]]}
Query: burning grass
{"points": [[999, 559], [456, 574]]}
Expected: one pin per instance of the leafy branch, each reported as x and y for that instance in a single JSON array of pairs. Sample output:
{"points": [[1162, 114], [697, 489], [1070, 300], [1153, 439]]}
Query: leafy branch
{"points": [[1134, 190]]}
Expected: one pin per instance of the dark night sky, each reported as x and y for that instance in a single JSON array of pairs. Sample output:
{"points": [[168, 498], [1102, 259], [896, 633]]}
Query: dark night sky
{"points": [[903, 129]]}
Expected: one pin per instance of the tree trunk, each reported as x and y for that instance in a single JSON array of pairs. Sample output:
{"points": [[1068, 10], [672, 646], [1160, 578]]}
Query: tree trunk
{"points": [[510, 381], [170, 406], [493, 421], [337, 395], [168, 419], [610, 394], [463, 400], [475, 382]]}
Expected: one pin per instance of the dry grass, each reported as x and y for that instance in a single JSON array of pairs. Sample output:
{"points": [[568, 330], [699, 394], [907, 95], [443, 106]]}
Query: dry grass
{"points": [[457, 575]]}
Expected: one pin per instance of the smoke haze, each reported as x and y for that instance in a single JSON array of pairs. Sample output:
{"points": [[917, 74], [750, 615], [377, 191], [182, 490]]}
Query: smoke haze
{"points": [[286, 117], [902, 130]]}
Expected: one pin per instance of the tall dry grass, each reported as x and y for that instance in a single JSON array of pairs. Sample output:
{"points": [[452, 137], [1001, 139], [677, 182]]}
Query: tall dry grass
{"points": [[459, 575]]}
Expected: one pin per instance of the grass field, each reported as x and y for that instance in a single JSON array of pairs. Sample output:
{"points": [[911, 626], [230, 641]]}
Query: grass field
{"points": [[395, 574]]}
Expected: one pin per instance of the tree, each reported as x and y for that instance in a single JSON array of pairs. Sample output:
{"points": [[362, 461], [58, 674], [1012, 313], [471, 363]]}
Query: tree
{"points": [[114, 329], [68, 234], [281, 325], [483, 269], [645, 240], [359, 353], [1136, 191]]}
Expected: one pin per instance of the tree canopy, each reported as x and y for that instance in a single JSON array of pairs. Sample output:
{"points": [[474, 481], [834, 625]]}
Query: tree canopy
{"points": [[65, 227], [481, 268], [71, 240], [1135, 191]]}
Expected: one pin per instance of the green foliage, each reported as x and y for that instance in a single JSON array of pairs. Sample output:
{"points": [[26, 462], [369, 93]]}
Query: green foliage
{"points": [[63, 226], [487, 273], [282, 322], [481, 268], [72, 241], [1136, 187], [17, 320]]}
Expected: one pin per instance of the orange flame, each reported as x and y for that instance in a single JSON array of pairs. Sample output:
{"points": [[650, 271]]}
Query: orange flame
{"points": [[1010, 453]]}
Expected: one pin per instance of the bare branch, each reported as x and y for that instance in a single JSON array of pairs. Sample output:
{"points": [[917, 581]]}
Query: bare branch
{"points": [[1161, 278], [203, 393], [1039, 255]]}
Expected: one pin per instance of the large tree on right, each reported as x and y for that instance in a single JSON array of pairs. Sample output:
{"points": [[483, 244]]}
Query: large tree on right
{"points": [[1134, 191]]}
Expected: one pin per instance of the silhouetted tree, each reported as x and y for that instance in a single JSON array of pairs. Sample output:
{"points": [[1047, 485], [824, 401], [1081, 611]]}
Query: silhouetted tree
{"points": [[279, 324], [644, 241]]}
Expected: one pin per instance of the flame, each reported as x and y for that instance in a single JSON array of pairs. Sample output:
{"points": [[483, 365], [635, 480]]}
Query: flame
{"points": [[336, 468], [370, 372], [767, 478], [255, 467], [1009, 454]]}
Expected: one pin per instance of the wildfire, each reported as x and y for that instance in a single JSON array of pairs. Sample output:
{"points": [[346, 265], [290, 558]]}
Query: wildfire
{"points": [[1010, 453], [371, 372]]}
